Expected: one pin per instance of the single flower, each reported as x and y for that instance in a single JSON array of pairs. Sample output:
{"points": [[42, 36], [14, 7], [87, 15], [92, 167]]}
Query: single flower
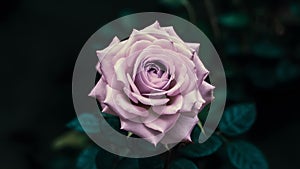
{"points": [[154, 82]]}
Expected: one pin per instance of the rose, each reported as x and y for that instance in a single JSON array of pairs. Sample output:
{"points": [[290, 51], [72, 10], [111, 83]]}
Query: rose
{"points": [[154, 82]]}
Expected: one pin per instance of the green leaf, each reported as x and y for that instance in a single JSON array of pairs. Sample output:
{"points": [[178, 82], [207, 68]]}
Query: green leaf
{"points": [[86, 159], [183, 164], [195, 134], [244, 155], [173, 3], [286, 70], [237, 119], [196, 150], [204, 112], [128, 163], [88, 123], [105, 160], [234, 20], [154, 162], [267, 49]]}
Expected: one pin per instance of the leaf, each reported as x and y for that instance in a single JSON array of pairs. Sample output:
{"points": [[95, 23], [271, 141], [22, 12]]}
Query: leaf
{"points": [[154, 162], [196, 150], [72, 139], [88, 123], [237, 119], [183, 164], [86, 159], [173, 3], [105, 159], [195, 134], [267, 49], [128, 163], [286, 70], [234, 20], [244, 155], [204, 112]]}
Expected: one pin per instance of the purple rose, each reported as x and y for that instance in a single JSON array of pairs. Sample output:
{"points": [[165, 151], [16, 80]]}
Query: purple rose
{"points": [[154, 82]]}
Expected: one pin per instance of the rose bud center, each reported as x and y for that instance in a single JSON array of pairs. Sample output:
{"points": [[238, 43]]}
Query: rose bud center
{"points": [[153, 77]]}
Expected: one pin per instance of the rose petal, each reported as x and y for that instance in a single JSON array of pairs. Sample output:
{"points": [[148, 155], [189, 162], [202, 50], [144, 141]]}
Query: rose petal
{"points": [[190, 99], [164, 123], [99, 93], [163, 43], [99, 90], [193, 46], [141, 130], [112, 100], [172, 108], [181, 48], [106, 109], [206, 91], [181, 130], [125, 104], [138, 46], [155, 25], [201, 71], [119, 70], [103, 52], [170, 30], [151, 101], [145, 86]]}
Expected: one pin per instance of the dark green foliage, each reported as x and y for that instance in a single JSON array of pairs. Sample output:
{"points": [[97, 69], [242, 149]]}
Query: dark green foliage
{"points": [[128, 163], [173, 3], [88, 123], [105, 160], [237, 119], [196, 150], [267, 49], [286, 70], [87, 157], [183, 164], [154, 162], [234, 20], [244, 155]]}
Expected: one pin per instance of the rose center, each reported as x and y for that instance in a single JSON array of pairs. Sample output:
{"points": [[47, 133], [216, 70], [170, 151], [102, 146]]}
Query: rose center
{"points": [[155, 69], [153, 76]]}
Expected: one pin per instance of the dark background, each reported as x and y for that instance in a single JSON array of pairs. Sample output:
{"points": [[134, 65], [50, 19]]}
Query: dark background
{"points": [[40, 40]]}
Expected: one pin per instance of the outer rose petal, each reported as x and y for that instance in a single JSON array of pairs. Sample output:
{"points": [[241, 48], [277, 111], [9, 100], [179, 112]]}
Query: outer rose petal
{"points": [[174, 107], [111, 102], [201, 71], [194, 46], [181, 131], [206, 91], [163, 123], [141, 130], [190, 99]]}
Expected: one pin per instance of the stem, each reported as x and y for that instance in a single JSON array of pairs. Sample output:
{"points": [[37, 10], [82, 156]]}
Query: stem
{"points": [[222, 137]]}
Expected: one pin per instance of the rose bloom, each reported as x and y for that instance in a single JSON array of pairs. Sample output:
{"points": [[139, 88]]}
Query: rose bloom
{"points": [[154, 82]]}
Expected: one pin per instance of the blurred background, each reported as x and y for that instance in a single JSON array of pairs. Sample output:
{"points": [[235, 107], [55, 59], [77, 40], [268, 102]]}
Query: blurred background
{"points": [[40, 40]]}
